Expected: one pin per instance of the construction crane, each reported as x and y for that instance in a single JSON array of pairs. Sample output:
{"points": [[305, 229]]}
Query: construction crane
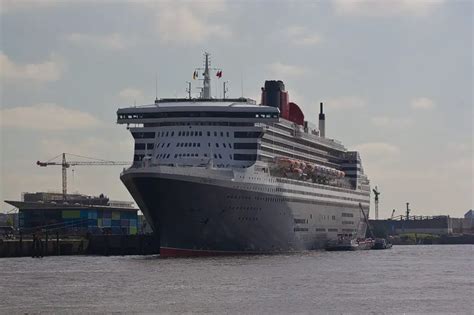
{"points": [[376, 193], [66, 164]]}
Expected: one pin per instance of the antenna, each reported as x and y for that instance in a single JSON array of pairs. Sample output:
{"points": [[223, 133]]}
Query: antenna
{"points": [[226, 89], [156, 88], [189, 89], [206, 92], [241, 84]]}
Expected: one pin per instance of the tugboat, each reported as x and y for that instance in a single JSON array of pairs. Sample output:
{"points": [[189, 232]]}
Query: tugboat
{"points": [[381, 243], [347, 244]]}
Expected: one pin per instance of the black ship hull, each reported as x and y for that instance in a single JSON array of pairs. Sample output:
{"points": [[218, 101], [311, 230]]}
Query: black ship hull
{"points": [[196, 218]]}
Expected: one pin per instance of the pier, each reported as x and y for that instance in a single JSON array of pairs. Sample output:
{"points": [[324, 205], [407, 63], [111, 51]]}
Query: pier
{"points": [[58, 245]]}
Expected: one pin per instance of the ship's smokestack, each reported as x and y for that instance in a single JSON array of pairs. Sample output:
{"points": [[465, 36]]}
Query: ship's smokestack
{"points": [[322, 121], [274, 94]]}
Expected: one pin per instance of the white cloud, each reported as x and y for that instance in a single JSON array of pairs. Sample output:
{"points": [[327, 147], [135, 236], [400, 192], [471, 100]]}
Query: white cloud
{"points": [[299, 35], [422, 103], [49, 70], [375, 8], [185, 22], [46, 117], [346, 102], [113, 41], [284, 71], [131, 95], [386, 121]]}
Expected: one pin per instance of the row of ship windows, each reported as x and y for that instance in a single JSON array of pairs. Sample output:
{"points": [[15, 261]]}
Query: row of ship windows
{"points": [[300, 229], [271, 199], [301, 220], [272, 143], [182, 155], [245, 208], [188, 144], [316, 194], [192, 134], [142, 146], [324, 217], [248, 218], [196, 114], [199, 123], [237, 134], [301, 183], [149, 146], [236, 157], [300, 140]]}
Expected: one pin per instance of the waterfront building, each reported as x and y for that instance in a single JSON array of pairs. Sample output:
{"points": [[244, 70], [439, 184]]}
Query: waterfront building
{"points": [[80, 214]]}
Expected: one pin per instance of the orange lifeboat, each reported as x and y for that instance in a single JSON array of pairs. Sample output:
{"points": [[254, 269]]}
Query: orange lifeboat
{"points": [[284, 162], [298, 171]]}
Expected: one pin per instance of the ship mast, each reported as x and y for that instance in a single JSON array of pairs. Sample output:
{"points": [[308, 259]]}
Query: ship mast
{"points": [[206, 91]]}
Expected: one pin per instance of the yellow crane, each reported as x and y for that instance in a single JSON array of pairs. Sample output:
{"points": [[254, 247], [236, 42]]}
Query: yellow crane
{"points": [[66, 164]]}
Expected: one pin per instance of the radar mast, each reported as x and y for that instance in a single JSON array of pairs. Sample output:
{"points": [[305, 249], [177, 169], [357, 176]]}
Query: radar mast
{"points": [[206, 91]]}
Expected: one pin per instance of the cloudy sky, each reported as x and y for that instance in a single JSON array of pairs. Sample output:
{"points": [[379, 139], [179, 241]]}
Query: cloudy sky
{"points": [[396, 77]]}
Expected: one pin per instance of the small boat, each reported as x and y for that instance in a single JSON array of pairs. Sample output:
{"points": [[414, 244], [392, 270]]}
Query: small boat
{"points": [[346, 244], [381, 243]]}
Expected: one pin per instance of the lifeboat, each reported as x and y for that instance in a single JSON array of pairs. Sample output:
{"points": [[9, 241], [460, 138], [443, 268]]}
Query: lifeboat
{"points": [[325, 171], [298, 171], [284, 162], [309, 168]]}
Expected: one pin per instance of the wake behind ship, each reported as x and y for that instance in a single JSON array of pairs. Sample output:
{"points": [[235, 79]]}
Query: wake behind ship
{"points": [[228, 176]]}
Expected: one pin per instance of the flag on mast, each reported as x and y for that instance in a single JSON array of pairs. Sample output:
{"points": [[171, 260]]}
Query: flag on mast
{"points": [[219, 74], [195, 74]]}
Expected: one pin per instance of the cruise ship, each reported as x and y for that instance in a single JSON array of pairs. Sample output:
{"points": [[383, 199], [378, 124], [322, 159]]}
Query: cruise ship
{"points": [[230, 176]]}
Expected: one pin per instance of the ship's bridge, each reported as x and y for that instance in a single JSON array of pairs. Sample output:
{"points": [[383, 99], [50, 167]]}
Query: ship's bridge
{"points": [[197, 132], [192, 110]]}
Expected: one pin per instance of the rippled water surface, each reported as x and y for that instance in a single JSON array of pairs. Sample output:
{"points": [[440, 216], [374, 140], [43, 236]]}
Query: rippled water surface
{"points": [[405, 279]]}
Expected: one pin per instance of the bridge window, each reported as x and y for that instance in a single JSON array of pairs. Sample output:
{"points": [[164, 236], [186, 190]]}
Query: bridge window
{"points": [[245, 145], [139, 146], [245, 157], [143, 135], [247, 134], [138, 157]]}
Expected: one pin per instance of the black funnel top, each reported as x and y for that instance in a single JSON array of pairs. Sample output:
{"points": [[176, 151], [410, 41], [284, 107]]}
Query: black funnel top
{"points": [[273, 90]]}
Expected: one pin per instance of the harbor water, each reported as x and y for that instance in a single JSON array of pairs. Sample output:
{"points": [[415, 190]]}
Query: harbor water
{"points": [[404, 279]]}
